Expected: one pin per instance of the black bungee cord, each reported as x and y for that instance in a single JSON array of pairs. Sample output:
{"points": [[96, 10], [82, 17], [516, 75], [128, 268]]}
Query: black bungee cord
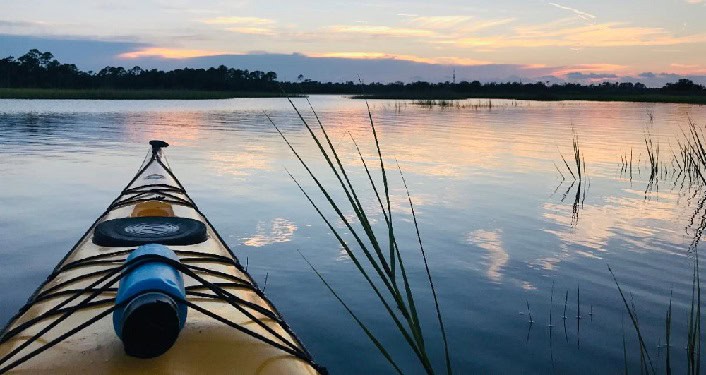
{"points": [[131, 195]]}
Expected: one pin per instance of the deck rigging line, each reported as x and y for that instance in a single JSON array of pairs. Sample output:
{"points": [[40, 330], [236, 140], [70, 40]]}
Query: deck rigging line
{"points": [[107, 279]]}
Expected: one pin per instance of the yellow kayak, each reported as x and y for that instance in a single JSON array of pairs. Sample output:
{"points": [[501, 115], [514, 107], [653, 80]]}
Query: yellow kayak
{"points": [[151, 288]]}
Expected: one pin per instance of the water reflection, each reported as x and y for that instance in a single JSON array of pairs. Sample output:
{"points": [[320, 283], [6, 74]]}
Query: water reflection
{"points": [[277, 231], [627, 216], [497, 257], [240, 163], [182, 128], [467, 169]]}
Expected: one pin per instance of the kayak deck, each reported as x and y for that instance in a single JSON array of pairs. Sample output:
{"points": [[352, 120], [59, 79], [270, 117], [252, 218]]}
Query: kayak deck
{"points": [[231, 327]]}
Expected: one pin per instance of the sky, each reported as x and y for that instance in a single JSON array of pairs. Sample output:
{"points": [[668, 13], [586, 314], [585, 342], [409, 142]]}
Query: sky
{"points": [[653, 41]]}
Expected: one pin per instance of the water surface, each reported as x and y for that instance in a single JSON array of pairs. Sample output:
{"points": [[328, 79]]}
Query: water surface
{"points": [[500, 227]]}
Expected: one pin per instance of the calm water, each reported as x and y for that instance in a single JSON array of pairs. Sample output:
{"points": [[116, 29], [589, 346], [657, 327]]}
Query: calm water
{"points": [[498, 224]]}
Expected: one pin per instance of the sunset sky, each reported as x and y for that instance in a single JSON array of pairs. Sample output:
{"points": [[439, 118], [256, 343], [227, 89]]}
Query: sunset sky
{"points": [[579, 40]]}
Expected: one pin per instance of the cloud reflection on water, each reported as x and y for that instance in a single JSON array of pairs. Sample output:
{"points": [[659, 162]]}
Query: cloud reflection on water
{"points": [[240, 164], [497, 256], [645, 225], [277, 231]]}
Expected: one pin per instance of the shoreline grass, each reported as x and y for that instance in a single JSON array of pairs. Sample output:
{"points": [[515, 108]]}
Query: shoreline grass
{"points": [[115, 94], [443, 99], [687, 165], [646, 98]]}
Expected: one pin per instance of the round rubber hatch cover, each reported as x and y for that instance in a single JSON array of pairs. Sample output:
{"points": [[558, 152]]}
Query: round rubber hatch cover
{"points": [[135, 231]]}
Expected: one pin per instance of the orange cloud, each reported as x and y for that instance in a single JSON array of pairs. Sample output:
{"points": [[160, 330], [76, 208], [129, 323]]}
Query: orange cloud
{"points": [[590, 68], [169, 53], [688, 68]]}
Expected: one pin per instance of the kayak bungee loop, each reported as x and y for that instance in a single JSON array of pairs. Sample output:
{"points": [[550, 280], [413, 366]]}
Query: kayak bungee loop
{"points": [[114, 275], [148, 320]]}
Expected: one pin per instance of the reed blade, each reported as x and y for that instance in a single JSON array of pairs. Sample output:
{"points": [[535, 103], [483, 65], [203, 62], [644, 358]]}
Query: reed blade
{"points": [[360, 268], [362, 325], [636, 325], [431, 282]]}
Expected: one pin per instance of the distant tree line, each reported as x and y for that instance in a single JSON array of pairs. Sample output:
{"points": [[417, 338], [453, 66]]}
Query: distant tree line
{"points": [[37, 69], [476, 88]]}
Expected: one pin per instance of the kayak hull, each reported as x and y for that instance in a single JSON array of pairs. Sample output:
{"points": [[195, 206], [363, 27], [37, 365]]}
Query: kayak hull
{"points": [[247, 337]]}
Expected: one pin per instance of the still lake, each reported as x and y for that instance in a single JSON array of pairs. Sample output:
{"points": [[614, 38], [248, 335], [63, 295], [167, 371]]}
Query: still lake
{"points": [[501, 229]]}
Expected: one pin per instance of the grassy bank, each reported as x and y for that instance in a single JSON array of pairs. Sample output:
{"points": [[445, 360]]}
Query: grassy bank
{"points": [[127, 94], [34, 93], [647, 98]]}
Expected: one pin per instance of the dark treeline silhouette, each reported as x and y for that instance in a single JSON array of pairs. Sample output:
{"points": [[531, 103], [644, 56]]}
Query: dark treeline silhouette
{"points": [[37, 69]]}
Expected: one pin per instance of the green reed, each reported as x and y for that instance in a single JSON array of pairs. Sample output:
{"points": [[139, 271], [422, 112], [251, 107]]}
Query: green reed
{"points": [[388, 267], [443, 103], [690, 160], [625, 347], [693, 345], [460, 104], [694, 334], [579, 161], [632, 313], [652, 155], [688, 167], [668, 335], [626, 163]]}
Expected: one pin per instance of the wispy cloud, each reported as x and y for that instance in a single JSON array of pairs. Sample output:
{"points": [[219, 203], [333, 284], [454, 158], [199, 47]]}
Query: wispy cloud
{"points": [[252, 30], [12, 23], [245, 25], [579, 13], [250, 21], [435, 29], [381, 31], [457, 25], [440, 22], [443, 60], [598, 35], [688, 68]]}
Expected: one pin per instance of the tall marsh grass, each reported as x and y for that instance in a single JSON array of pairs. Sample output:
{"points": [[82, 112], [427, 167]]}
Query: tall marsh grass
{"points": [[578, 161], [688, 169], [578, 175], [378, 257]]}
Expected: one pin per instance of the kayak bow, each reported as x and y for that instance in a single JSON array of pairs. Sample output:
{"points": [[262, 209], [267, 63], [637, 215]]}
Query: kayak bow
{"points": [[151, 287]]}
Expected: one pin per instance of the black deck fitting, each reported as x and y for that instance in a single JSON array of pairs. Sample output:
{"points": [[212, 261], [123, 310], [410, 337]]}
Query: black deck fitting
{"points": [[157, 144]]}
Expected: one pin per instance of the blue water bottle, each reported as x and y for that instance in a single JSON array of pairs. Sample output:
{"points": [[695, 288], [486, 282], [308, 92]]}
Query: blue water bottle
{"points": [[148, 319]]}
